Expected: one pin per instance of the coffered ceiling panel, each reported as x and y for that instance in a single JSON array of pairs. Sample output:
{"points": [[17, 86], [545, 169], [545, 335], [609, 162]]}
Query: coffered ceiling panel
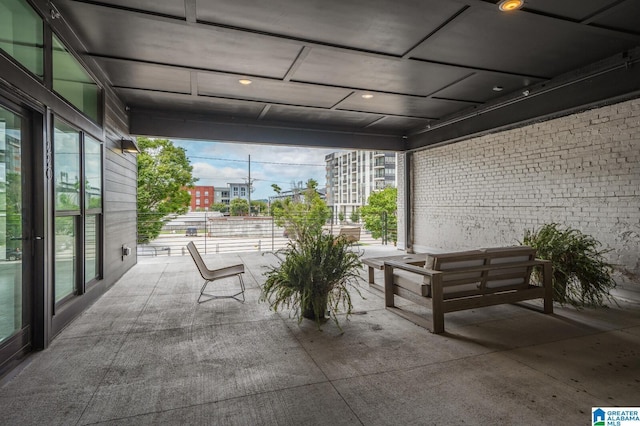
{"points": [[431, 70], [165, 7], [321, 117], [483, 86], [410, 106], [362, 71], [575, 10], [122, 34], [274, 91], [387, 26], [147, 76], [519, 43], [145, 99], [623, 17]]}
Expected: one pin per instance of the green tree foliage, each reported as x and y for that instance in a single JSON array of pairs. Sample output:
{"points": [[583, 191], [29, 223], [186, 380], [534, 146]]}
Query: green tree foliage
{"points": [[259, 207], [239, 207], [303, 213], [219, 207], [381, 210], [355, 215], [163, 172]]}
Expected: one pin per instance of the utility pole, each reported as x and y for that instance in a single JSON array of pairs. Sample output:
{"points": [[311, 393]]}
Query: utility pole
{"points": [[249, 189]]}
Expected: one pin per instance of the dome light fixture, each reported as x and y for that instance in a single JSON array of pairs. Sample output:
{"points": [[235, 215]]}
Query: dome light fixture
{"points": [[245, 81], [509, 5]]}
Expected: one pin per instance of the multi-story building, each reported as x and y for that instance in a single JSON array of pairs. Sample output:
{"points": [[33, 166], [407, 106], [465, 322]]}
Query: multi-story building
{"points": [[352, 176], [227, 193], [202, 197]]}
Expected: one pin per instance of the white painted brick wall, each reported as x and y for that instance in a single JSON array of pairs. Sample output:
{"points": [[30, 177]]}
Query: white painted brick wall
{"points": [[581, 171]]}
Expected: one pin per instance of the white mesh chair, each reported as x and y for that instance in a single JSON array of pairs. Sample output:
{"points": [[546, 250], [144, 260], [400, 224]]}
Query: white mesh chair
{"points": [[211, 275]]}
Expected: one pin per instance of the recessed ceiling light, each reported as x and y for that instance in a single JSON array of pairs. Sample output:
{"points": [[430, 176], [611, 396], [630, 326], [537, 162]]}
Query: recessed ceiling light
{"points": [[367, 96], [245, 81], [498, 88], [509, 5]]}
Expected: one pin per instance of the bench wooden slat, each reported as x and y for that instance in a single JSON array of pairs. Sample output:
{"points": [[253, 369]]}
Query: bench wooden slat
{"points": [[494, 276]]}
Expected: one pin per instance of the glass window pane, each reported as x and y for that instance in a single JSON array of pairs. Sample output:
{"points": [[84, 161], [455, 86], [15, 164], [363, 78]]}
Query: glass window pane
{"points": [[21, 34], [65, 265], [10, 224], [72, 82], [66, 159], [91, 250], [93, 173]]}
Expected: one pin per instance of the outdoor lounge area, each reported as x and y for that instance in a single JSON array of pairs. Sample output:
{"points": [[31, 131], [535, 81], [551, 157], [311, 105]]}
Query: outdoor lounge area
{"points": [[147, 353]]}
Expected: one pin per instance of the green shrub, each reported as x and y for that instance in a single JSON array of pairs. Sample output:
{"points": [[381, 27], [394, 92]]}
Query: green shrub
{"points": [[314, 277], [581, 274]]}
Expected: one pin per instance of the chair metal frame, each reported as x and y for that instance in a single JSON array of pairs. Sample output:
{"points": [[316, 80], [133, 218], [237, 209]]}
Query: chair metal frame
{"points": [[211, 275]]}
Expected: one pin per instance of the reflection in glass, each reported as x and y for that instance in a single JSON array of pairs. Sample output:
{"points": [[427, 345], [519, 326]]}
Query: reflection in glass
{"points": [[93, 173], [73, 82], [66, 157], [90, 248], [21, 34], [10, 224], [65, 245]]}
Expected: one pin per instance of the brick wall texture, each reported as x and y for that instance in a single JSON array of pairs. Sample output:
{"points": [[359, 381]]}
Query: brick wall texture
{"points": [[581, 170]]}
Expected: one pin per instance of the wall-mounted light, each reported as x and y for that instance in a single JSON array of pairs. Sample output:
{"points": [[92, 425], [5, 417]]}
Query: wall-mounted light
{"points": [[509, 5], [126, 251], [129, 145]]}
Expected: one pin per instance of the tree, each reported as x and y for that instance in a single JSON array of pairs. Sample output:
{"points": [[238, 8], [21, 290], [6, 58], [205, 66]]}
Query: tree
{"points": [[355, 215], [163, 172], [302, 214], [380, 214], [219, 207], [239, 207], [259, 207]]}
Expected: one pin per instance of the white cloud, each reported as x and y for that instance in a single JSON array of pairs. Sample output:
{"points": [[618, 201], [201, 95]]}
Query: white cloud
{"points": [[269, 164]]}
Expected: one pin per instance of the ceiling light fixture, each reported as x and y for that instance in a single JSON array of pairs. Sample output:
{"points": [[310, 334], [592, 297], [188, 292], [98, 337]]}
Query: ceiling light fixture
{"points": [[509, 5], [245, 81], [367, 96], [498, 88]]}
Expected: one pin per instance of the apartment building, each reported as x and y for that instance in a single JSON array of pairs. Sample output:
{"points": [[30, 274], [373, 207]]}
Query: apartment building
{"points": [[202, 197], [227, 193], [352, 176]]}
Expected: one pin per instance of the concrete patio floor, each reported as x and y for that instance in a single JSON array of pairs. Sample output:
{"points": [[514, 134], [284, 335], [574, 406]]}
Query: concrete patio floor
{"points": [[146, 354]]}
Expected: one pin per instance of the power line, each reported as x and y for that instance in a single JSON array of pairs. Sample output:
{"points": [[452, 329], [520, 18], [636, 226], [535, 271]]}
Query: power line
{"points": [[259, 162]]}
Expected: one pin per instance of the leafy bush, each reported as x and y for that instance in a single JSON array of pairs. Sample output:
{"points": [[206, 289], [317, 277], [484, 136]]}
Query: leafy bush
{"points": [[314, 277], [581, 274]]}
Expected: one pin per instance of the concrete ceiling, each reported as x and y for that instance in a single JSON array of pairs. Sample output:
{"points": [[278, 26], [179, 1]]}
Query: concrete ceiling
{"points": [[438, 70]]}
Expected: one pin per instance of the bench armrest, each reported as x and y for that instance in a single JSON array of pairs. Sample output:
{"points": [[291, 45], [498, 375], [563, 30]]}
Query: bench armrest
{"points": [[411, 268], [423, 271]]}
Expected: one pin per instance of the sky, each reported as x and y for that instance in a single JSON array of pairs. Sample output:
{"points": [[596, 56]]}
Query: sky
{"points": [[217, 164]]}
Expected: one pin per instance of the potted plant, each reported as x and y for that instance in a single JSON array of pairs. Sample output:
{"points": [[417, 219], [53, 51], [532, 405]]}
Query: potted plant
{"points": [[581, 274], [314, 278]]}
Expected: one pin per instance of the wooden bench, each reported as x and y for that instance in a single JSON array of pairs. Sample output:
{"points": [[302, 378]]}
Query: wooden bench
{"points": [[449, 282], [351, 233]]}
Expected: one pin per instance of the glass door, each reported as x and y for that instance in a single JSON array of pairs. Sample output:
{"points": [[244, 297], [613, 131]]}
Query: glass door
{"points": [[14, 242]]}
